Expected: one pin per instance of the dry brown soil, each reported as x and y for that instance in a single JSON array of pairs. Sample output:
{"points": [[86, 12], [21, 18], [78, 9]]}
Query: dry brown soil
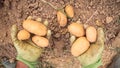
{"points": [[103, 13]]}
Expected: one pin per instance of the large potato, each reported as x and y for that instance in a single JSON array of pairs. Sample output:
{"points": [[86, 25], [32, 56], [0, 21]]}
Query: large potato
{"points": [[62, 19], [40, 41], [80, 46], [35, 27], [23, 35], [76, 29], [91, 34]]}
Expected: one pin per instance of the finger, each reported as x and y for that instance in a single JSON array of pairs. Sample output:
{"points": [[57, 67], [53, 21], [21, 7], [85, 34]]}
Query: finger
{"points": [[45, 22], [14, 31], [39, 19], [29, 18], [100, 39]]}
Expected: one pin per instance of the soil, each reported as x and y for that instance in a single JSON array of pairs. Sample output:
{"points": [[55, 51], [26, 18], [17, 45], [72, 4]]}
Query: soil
{"points": [[98, 13]]}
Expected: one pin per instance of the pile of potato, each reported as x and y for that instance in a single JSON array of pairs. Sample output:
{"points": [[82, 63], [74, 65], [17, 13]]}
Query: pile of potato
{"points": [[38, 29], [85, 36], [62, 16]]}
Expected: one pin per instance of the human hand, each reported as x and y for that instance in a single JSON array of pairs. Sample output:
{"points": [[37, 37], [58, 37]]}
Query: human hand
{"points": [[27, 51], [92, 57]]}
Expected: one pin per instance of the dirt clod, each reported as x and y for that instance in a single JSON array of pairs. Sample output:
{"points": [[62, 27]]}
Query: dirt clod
{"points": [[109, 19]]}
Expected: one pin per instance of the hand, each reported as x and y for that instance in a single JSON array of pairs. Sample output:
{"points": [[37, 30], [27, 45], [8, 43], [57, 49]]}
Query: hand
{"points": [[27, 51], [92, 57]]}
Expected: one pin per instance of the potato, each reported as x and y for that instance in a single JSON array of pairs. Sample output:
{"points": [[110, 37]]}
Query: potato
{"points": [[91, 34], [80, 46], [23, 35], [76, 29], [62, 19], [35, 27], [40, 41], [69, 11]]}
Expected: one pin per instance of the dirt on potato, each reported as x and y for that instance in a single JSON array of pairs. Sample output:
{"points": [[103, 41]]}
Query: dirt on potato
{"points": [[98, 13]]}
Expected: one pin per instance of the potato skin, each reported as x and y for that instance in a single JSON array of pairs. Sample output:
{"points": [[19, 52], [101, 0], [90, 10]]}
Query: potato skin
{"points": [[91, 34], [35, 27], [40, 41], [23, 35], [62, 19], [69, 10], [80, 46], [76, 29]]}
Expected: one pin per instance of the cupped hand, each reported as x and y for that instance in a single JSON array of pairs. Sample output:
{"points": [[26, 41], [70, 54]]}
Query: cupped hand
{"points": [[92, 57], [27, 51]]}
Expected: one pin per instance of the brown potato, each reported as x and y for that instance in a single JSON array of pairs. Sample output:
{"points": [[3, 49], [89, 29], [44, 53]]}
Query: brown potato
{"points": [[23, 35], [62, 19], [35, 27], [69, 10], [80, 46], [76, 29], [91, 34], [40, 41]]}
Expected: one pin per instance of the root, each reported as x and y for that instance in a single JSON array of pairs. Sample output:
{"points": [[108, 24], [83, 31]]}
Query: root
{"points": [[54, 7]]}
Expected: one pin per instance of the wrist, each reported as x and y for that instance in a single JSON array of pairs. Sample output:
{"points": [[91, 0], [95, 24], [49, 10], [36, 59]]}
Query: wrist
{"points": [[27, 63]]}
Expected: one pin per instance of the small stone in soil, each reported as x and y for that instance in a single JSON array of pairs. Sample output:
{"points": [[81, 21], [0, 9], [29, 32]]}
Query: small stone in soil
{"points": [[57, 35], [67, 35], [109, 19], [1, 40], [56, 29]]}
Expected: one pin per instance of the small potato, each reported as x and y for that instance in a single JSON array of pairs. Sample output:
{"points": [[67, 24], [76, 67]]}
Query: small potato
{"points": [[69, 11], [35, 27], [62, 19], [76, 29], [91, 34], [80, 46], [23, 35], [40, 41]]}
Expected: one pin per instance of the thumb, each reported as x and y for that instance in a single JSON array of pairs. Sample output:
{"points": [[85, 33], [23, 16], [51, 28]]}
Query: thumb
{"points": [[100, 39], [14, 31]]}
